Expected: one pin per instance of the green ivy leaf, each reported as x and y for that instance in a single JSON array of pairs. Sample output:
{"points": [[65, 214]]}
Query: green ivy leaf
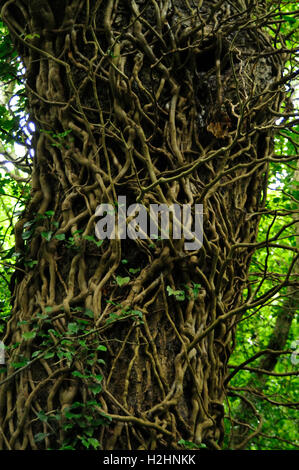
{"points": [[73, 328], [47, 235], [50, 213], [88, 313], [40, 436], [191, 445], [42, 416], [36, 353], [179, 294], [49, 354], [122, 281], [60, 236], [70, 415], [134, 270], [18, 365], [29, 335], [26, 235], [93, 442], [95, 389], [31, 36], [89, 238], [77, 373], [112, 317]]}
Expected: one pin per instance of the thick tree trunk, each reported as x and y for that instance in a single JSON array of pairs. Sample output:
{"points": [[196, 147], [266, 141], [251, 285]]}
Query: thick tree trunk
{"points": [[161, 103]]}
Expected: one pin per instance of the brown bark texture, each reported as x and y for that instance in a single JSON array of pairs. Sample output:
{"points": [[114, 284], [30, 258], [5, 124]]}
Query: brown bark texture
{"points": [[127, 342]]}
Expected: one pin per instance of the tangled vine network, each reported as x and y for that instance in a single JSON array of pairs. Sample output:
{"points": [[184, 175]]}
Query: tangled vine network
{"points": [[124, 344]]}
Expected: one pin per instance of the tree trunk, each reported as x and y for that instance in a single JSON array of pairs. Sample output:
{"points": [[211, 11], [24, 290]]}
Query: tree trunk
{"points": [[161, 103]]}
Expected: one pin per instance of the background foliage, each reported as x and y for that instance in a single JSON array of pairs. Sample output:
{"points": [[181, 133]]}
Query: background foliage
{"points": [[274, 397]]}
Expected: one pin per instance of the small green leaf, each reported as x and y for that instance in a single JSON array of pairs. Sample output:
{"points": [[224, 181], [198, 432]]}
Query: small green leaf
{"points": [[106, 416], [42, 416], [26, 235], [179, 294], [67, 447], [29, 335], [77, 373], [122, 281], [67, 354], [68, 414], [28, 224], [88, 313], [60, 236], [94, 442], [112, 317], [47, 235], [42, 316], [136, 312], [134, 270], [191, 445], [90, 238], [95, 389], [40, 436], [49, 354], [36, 353], [31, 36], [73, 328], [31, 263], [196, 288], [18, 365]]}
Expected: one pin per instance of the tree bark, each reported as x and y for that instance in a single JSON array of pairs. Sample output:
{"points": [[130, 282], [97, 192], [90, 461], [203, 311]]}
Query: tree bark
{"points": [[161, 103]]}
